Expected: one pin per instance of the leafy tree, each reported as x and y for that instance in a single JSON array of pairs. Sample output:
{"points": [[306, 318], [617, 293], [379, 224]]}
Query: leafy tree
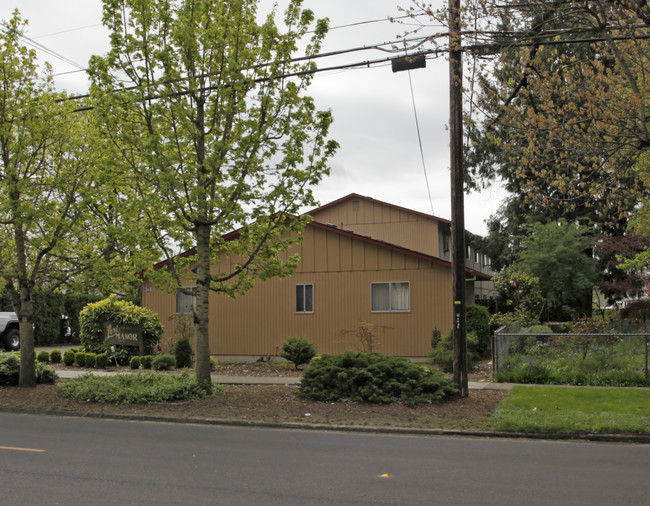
{"points": [[557, 110], [45, 186], [207, 110], [519, 294], [558, 254]]}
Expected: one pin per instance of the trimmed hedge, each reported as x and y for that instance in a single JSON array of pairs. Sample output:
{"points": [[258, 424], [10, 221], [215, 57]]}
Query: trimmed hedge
{"points": [[373, 378], [94, 315]]}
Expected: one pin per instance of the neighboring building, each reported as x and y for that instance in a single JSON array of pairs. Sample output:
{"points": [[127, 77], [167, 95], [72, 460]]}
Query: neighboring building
{"points": [[362, 262]]}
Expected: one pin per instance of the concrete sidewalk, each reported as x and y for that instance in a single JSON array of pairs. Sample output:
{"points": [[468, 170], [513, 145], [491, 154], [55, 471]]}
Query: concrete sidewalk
{"points": [[266, 380]]}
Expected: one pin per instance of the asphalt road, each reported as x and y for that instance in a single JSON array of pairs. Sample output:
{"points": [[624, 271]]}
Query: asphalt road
{"points": [[58, 460]]}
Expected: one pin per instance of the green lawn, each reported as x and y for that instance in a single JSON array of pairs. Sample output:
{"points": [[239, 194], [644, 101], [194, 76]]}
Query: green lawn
{"points": [[562, 409]]}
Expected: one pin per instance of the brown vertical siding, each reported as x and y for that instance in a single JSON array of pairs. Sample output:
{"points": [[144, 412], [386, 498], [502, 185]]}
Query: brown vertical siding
{"points": [[341, 269], [381, 221]]}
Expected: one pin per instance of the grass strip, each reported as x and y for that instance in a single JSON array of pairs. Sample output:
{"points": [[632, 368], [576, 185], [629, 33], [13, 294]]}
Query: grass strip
{"points": [[579, 409]]}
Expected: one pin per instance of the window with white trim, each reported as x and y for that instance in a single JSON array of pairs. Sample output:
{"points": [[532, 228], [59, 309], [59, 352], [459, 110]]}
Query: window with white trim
{"points": [[186, 300], [393, 296], [305, 298]]}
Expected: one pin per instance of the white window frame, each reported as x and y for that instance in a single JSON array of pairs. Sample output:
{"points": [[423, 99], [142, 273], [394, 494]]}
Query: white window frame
{"points": [[306, 309], [391, 285], [184, 305]]}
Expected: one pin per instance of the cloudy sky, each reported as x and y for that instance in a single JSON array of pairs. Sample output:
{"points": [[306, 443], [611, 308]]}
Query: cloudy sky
{"points": [[374, 118]]}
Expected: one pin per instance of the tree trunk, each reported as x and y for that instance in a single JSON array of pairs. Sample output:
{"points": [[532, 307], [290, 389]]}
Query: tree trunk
{"points": [[201, 313], [27, 374]]}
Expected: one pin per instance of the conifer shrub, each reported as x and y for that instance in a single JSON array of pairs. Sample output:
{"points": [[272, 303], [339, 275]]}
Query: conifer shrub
{"points": [[135, 362], [45, 375], [373, 378], [43, 356], [137, 388], [55, 356], [298, 350], [93, 316], [183, 353], [80, 359], [146, 361], [10, 370], [69, 357], [163, 362]]}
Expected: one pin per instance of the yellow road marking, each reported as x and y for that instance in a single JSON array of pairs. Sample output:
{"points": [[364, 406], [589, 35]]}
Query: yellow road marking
{"points": [[21, 449]]}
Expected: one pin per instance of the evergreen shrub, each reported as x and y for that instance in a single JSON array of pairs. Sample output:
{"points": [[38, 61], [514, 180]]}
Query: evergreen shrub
{"points": [[163, 362], [10, 370], [373, 378], [137, 388], [80, 359], [93, 316], [69, 357], [442, 355], [101, 360], [43, 356], [146, 361], [55, 356], [183, 353], [478, 323], [298, 350], [135, 362], [91, 360]]}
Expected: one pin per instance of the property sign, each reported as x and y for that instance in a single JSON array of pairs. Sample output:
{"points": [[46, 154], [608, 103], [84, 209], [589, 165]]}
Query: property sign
{"points": [[125, 335]]}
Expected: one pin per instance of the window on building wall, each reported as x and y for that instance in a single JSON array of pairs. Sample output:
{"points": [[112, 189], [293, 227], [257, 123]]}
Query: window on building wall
{"points": [[395, 296], [476, 256], [468, 254], [446, 242], [304, 298], [186, 300]]}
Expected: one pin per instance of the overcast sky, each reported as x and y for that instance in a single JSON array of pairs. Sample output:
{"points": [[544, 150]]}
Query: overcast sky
{"points": [[374, 119]]}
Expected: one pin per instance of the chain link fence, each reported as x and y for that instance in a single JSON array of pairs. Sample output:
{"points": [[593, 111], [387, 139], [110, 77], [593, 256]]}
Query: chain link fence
{"points": [[571, 358]]}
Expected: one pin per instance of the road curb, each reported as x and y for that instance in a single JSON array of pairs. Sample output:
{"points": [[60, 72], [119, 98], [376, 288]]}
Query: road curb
{"points": [[406, 431]]}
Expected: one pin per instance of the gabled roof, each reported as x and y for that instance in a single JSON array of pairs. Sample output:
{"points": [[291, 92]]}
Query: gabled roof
{"points": [[394, 247], [353, 196], [363, 238]]}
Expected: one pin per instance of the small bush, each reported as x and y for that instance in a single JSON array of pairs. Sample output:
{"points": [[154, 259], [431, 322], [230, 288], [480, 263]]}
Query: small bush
{"points": [[10, 370], [101, 360], [298, 350], [80, 359], [43, 356], [443, 354], [136, 388], [69, 357], [213, 363], [146, 361], [45, 375], [163, 362], [183, 353], [55, 356], [91, 360], [374, 378], [135, 362]]}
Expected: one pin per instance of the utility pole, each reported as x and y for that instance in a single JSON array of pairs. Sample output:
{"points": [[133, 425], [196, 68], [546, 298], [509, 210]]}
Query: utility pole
{"points": [[457, 197]]}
